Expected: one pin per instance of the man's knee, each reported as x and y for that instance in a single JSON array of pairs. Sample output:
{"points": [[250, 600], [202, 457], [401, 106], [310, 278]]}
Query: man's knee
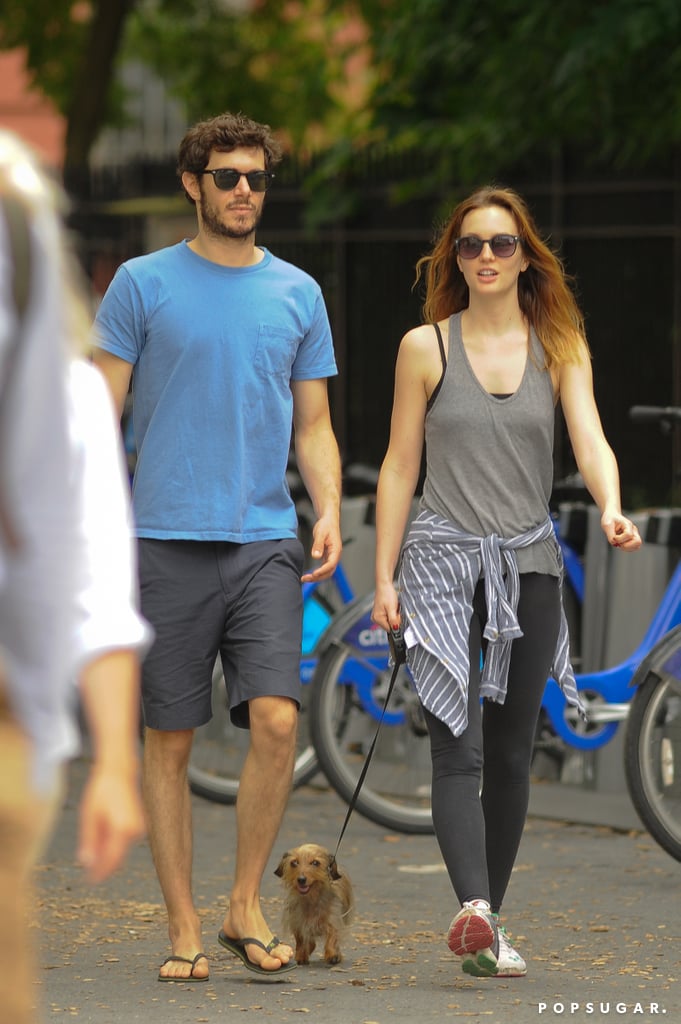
{"points": [[171, 748], [274, 720]]}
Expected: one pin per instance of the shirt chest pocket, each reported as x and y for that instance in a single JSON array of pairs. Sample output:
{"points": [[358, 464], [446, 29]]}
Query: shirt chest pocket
{"points": [[275, 352]]}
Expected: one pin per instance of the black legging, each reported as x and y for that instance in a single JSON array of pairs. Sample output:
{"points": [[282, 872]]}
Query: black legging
{"points": [[479, 833]]}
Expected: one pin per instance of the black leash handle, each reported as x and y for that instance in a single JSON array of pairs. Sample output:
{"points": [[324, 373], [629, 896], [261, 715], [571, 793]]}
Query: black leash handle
{"points": [[398, 653]]}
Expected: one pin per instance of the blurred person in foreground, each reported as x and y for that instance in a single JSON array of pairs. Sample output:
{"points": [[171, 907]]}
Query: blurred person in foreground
{"points": [[229, 348], [67, 582], [480, 571]]}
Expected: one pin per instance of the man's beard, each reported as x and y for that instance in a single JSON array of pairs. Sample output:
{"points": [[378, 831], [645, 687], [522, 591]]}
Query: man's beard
{"points": [[213, 225]]}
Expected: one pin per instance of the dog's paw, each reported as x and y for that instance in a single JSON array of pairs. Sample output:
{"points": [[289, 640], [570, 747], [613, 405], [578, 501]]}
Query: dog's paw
{"points": [[333, 958]]}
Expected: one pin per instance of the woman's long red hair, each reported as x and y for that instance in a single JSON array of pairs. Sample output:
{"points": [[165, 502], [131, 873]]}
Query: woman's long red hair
{"points": [[544, 294]]}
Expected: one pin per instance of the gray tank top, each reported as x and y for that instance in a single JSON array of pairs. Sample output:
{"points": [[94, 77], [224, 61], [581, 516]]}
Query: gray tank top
{"points": [[489, 461]]}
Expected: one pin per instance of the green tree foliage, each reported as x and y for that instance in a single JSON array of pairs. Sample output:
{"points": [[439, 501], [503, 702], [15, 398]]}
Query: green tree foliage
{"points": [[71, 49], [280, 61], [53, 38], [473, 88], [477, 88]]}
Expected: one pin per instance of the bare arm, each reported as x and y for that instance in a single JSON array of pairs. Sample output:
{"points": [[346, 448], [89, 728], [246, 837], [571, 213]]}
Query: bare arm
{"points": [[595, 458], [117, 373], [111, 636], [111, 813], [319, 465], [401, 466]]}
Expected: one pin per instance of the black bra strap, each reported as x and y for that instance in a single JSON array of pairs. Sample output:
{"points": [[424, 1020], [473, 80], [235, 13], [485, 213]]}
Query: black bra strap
{"points": [[443, 357], [442, 346]]}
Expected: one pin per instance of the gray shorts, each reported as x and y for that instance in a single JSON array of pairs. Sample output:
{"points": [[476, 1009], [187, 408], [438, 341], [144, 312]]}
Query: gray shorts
{"points": [[204, 598]]}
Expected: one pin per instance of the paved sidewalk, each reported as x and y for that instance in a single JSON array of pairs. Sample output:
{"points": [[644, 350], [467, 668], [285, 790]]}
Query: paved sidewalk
{"points": [[593, 908], [580, 806]]}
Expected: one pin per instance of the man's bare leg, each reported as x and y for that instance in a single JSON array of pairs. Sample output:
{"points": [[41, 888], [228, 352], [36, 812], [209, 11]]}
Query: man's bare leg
{"points": [[168, 804], [264, 787]]}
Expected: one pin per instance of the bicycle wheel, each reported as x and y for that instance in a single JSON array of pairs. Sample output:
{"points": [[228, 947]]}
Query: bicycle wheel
{"points": [[347, 695], [219, 750], [652, 752]]}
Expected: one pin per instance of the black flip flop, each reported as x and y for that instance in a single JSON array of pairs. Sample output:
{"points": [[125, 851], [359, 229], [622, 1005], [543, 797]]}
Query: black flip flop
{"points": [[191, 978], [238, 947]]}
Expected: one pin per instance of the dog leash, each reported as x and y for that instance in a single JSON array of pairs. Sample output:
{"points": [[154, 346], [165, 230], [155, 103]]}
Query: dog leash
{"points": [[398, 653]]}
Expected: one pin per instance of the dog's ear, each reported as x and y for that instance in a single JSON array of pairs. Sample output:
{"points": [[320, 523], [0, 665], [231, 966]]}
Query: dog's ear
{"points": [[279, 870], [333, 870]]}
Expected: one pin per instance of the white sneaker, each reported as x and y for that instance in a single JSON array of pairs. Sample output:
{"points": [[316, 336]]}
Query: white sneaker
{"points": [[509, 963], [474, 931]]}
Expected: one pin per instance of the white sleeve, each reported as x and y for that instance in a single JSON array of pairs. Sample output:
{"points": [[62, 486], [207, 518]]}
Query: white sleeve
{"points": [[107, 614], [36, 584]]}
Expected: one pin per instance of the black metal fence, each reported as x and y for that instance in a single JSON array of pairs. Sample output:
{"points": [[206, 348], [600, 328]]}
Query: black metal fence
{"points": [[620, 237]]}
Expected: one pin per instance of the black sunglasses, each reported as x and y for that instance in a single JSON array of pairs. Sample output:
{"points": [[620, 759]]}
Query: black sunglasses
{"points": [[469, 247], [226, 178]]}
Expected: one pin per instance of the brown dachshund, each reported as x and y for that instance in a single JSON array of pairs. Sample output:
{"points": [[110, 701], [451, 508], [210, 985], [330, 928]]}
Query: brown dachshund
{"points": [[318, 903]]}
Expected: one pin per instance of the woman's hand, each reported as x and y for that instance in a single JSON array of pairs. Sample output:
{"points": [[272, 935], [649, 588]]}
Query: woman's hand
{"points": [[620, 531], [386, 610]]}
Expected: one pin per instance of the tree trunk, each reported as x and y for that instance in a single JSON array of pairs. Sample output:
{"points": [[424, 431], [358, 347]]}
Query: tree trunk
{"points": [[91, 88]]}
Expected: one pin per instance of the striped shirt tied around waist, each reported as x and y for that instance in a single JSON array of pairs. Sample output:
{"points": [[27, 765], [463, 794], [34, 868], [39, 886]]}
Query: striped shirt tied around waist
{"points": [[439, 571]]}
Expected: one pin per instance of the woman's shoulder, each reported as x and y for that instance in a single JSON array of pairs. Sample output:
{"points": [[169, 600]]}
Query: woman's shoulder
{"points": [[425, 337], [423, 355], [419, 349]]}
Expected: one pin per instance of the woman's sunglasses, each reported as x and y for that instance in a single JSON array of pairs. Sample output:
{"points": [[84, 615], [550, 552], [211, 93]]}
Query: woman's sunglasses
{"points": [[226, 178], [469, 247]]}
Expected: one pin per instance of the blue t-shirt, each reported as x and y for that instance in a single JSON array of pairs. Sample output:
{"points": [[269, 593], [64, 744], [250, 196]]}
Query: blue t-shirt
{"points": [[214, 351]]}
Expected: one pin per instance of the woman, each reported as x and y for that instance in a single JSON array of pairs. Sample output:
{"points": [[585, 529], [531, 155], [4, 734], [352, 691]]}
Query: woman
{"points": [[504, 341]]}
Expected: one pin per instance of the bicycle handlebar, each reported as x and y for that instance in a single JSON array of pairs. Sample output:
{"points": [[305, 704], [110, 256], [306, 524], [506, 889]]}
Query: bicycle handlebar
{"points": [[665, 415]]}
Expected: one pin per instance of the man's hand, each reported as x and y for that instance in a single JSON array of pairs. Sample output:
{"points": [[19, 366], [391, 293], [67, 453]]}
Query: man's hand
{"points": [[326, 545]]}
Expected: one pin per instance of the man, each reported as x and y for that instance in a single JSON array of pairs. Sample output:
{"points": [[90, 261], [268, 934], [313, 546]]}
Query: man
{"points": [[67, 576], [230, 348]]}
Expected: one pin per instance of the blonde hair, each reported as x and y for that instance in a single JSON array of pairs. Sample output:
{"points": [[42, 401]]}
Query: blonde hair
{"points": [[45, 204], [544, 294]]}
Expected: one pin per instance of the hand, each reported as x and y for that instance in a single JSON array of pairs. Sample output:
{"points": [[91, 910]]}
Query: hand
{"points": [[326, 544], [111, 818], [386, 610], [621, 532]]}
